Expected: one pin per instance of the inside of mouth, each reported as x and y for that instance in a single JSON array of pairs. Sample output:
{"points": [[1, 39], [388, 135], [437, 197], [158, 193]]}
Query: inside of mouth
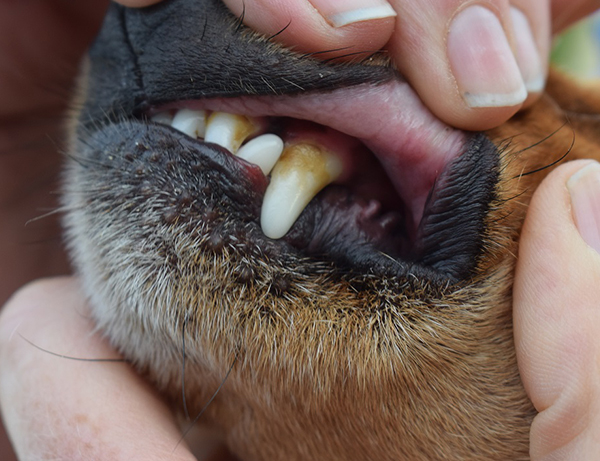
{"points": [[359, 200]]}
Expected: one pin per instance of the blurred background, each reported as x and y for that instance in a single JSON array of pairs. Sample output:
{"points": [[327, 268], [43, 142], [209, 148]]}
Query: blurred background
{"points": [[578, 49]]}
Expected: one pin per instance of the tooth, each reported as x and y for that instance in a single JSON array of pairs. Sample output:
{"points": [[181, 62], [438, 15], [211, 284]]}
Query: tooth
{"points": [[190, 122], [162, 117], [301, 172], [228, 130], [263, 151]]}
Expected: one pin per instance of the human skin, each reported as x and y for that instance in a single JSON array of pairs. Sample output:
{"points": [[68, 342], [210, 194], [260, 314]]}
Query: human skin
{"points": [[46, 54]]}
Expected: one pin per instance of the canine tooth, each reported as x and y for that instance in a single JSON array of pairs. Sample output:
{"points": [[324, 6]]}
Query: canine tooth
{"points": [[190, 122], [162, 117], [301, 172], [263, 151], [228, 130]]}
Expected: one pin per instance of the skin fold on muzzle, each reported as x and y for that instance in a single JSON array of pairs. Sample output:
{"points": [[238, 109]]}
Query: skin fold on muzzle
{"points": [[359, 334]]}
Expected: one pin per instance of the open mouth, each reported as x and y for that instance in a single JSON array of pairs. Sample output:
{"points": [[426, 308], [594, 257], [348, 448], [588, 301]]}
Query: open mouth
{"points": [[379, 173], [353, 169]]}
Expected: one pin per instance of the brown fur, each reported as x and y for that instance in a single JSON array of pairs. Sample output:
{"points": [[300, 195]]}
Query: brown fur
{"points": [[319, 369], [443, 372]]}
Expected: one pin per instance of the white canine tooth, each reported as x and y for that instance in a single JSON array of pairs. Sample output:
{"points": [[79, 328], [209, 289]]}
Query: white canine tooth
{"points": [[190, 122], [228, 130], [162, 117], [301, 172], [263, 151]]}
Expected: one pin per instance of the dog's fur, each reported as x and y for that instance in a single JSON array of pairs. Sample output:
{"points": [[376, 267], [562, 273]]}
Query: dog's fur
{"points": [[319, 365]]}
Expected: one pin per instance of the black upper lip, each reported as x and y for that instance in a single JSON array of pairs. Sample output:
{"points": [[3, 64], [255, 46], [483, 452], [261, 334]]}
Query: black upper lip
{"points": [[148, 57], [191, 49]]}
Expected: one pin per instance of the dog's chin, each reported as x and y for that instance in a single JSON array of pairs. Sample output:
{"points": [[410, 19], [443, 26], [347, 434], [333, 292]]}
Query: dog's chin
{"points": [[354, 287]]}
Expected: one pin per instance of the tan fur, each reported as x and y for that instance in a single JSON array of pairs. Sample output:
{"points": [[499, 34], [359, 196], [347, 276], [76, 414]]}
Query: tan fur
{"points": [[393, 371]]}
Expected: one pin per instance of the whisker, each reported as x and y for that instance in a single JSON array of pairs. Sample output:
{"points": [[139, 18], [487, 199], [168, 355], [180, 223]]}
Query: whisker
{"points": [[197, 418], [292, 83], [512, 197], [356, 53], [333, 50], [557, 161], [185, 408], [280, 32], [204, 28], [240, 19], [47, 215], [62, 356], [544, 139]]}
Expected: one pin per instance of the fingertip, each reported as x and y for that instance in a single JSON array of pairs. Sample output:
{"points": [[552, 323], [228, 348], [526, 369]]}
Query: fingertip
{"points": [[584, 190], [532, 98], [555, 271], [556, 316], [456, 113], [551, 253], [340, 14], [482, 61], [459, 58], [532, 36], [320, 27]]}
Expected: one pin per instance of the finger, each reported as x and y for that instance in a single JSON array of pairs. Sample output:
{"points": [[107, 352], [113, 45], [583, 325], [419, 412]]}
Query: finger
{"points": [[566, 12], [461, 57], [56, 408], [531, 25], [329, 26], [557, 313]]}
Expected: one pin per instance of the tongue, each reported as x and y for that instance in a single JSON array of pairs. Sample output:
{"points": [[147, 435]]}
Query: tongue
{"points": [[412, 145]]}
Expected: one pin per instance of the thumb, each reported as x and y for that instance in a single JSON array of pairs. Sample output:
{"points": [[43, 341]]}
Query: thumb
{"points": [[557, 313]]}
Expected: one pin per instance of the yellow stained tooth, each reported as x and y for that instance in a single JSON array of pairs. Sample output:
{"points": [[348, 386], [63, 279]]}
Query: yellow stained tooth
{"points": [[302, 171], [229, 130]]}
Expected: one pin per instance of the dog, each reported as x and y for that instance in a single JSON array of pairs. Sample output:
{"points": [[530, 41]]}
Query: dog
{"points": [[372, 323]]}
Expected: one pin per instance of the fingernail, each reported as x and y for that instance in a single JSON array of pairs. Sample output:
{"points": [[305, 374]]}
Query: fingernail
{"points": [[340, 13], [528, 56], [482, 61], [584, 187]]}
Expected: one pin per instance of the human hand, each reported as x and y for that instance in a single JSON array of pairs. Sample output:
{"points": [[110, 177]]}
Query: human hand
{"points": [[557, 313], [459, 59], [61, 408]]}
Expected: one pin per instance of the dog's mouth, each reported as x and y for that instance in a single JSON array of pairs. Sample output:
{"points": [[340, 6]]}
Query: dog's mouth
{"points": [[359, 170], [379, 142], [356, 172]]}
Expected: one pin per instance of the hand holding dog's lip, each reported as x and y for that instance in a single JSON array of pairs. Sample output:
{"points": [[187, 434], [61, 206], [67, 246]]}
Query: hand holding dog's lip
{"points": [[477, 71], [416, 26], [424, 26]]}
